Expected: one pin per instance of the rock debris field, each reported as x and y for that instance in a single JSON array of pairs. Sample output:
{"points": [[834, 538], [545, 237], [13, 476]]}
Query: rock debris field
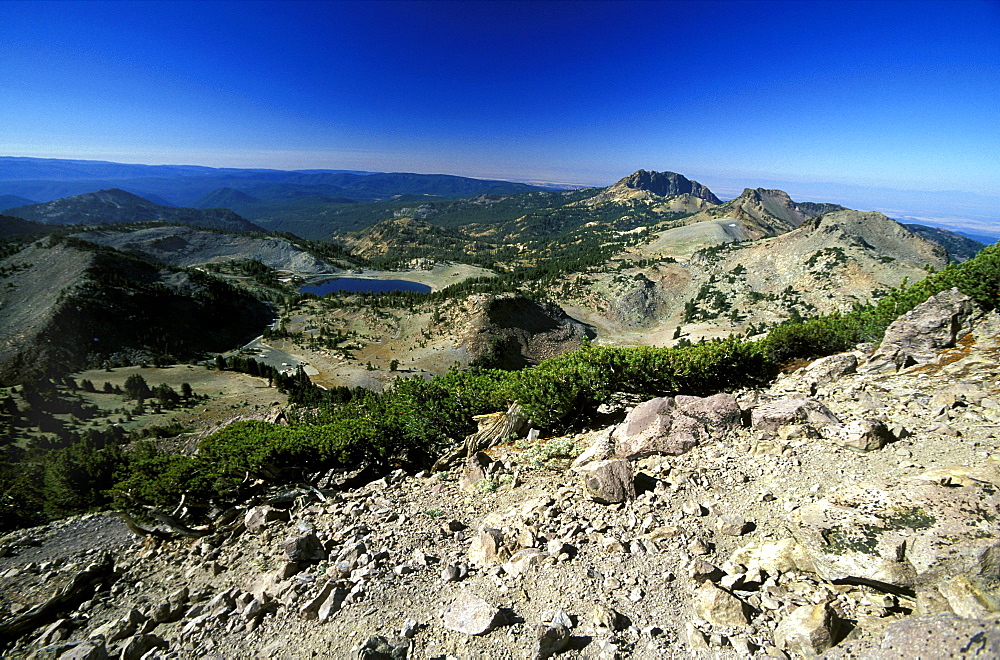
{"points": [[848, 511]]}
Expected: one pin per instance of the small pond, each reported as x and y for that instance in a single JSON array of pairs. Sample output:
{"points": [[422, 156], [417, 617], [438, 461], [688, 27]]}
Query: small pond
{"points": [[357, 284]]}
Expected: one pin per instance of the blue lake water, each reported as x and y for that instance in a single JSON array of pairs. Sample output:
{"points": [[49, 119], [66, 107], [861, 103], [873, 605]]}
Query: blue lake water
{"points": [[356, 285]]}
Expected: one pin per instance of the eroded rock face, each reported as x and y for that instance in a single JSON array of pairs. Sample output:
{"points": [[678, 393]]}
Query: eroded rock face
{"points": [[675, 425], [918, 336], [914, 536]]}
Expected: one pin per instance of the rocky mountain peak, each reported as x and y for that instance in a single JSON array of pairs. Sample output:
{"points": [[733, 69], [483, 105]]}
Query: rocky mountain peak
{"points": [[666, 184], [765, 212]]}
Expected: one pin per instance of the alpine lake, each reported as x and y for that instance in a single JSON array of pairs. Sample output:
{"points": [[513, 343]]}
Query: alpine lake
{"points": [[363, 285]]}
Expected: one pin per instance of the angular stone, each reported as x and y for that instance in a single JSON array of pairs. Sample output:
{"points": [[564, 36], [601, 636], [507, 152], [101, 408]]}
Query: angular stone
{"points": [[454, 572], [477, 468], [718, 413], [304, 549], [94, 650], [550, 639], [378, 647], [774, 557], [524, 559], [603, 616], [608, 482], [310, 610], [808, 631], [136, 647], [702, 571], [471, 615], [732, 525], [719, 607], [257, 518], [332, 604], [166, 612], [488, 548], [862, 435], [561, 618], [695, 638], [830, 368], [601, 448], [918, 336], [772, 416]]}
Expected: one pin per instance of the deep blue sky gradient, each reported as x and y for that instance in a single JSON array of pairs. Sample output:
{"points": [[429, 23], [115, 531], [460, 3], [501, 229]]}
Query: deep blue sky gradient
{"points": [[902, 95]]}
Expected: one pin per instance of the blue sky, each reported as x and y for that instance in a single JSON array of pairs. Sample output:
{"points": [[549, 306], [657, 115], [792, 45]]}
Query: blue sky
{"points": [[902, 95]]}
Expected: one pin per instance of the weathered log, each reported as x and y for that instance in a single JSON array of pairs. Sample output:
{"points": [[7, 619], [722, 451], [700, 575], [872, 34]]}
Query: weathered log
{"points": [[502, 428]]}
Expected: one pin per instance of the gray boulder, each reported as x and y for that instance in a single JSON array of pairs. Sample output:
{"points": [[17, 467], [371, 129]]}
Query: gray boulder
{"points": [[675, 425], [92, 650], [719, 607], [608, 482], [918, 336], [861, 435], [488, 548], [772, 416], [477, 467], [472, 615], [830, 369], [137, 647], [551, 638], [304, 549]]}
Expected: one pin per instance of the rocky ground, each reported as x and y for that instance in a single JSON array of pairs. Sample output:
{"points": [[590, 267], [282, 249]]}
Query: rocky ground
{"points": [[850, 509]]}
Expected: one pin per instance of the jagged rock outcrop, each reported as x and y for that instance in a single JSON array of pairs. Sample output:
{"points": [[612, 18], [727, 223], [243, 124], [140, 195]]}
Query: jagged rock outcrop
{"points": [[762, 212], [667, 192], [666, 184], [919, 335]]}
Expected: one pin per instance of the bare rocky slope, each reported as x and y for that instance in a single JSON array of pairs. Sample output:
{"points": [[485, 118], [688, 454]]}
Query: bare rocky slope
{"points": [[829, 263], [849, 510], [118, 206], [759, 213], [66, 305], [189, 246]]}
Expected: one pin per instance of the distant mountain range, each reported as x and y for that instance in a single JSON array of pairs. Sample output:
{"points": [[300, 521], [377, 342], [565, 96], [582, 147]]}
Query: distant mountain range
{"points": [[117, 206], [656, 251], [45, 180]]}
